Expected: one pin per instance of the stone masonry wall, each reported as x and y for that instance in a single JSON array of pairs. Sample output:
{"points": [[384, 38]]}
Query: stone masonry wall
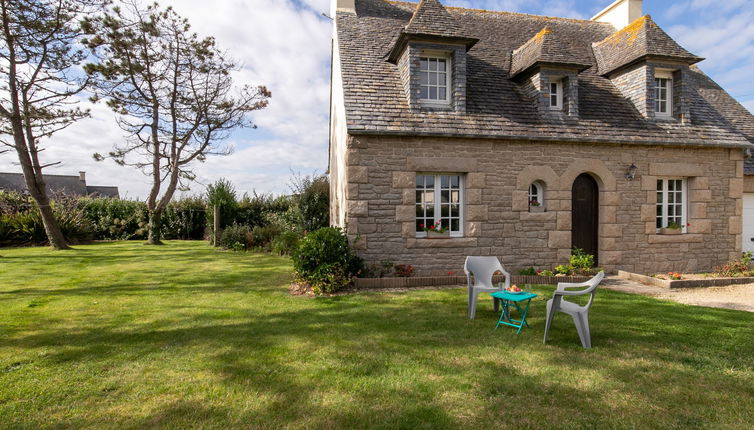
{"points": [[381, 203]]}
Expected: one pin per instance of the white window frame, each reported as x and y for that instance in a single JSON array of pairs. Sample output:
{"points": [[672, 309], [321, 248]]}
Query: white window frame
{"points": [[666, 76], [662, 203], [448, 78], [558, 94], [437, 202], [539, 194]]}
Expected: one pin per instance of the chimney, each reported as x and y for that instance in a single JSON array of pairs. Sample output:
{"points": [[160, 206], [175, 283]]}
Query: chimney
{"points": [[342, 6], [82, 177], [620, 13]]}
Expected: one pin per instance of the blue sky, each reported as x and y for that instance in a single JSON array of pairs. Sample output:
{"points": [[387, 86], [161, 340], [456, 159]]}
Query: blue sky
{"points": [[285, 45]]}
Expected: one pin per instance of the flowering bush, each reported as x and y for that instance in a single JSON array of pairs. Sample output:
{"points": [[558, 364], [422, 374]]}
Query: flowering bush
{"points": [[404, 270], [675, 276], [436, 227], [735, 268]]}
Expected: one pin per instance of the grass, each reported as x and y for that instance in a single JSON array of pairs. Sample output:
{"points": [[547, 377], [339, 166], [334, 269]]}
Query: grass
{"points": [[122, 335]]}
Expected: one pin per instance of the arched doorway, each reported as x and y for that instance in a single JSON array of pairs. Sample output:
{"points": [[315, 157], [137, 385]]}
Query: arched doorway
{"points": [[585, 215]]}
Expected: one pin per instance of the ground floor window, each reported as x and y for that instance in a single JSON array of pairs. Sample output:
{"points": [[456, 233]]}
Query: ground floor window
{"points": [[439, 199], [671, 203], [536, 194]]}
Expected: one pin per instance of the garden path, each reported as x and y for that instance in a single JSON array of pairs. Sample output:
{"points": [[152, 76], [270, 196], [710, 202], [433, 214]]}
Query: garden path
{"points": [[737, 297]]}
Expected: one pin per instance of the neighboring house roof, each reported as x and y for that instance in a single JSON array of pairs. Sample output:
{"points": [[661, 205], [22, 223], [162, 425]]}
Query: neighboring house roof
{"points": [[57, 184], [547, 48], [375, 101], [102, 191]]}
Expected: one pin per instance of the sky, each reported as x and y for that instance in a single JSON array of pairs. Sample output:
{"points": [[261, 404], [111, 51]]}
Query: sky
{"points": [[285, 45]]}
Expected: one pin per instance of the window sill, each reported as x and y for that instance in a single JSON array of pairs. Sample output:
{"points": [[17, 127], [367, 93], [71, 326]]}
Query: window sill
{"points": [[451, 242], [675, 238]]}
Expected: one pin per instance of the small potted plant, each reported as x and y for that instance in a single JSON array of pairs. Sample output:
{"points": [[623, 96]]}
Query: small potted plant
{"points": [[435, 231], [535, 206], [672, 228]]}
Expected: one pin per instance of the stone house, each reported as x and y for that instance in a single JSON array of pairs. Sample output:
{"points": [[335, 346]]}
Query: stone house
{"points": [[526, 136], [70, 185]]}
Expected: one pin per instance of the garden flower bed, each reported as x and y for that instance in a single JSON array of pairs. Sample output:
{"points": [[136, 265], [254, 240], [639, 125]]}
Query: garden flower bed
{"points": [[691, 280], [433, 281]]}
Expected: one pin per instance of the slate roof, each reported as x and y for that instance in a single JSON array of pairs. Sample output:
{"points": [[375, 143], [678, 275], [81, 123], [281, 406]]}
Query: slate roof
{"points": [[430, 21], [547, 48], [56, 184], [375, 102], [431, 17], [642, 38]]}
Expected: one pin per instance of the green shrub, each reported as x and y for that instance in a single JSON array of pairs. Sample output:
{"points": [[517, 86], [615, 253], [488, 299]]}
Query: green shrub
{"points": [[528, 271], [21, 223], [581, 261], [222, 194], [564, 269], [384, 268], [310, 208], [262, 236], [325, 261], [546, 273], [184, 219], [263, 209], [234, 234], [285, 243], [115, 219]]}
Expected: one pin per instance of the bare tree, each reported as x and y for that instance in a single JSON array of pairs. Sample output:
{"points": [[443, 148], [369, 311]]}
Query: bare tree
{"points": [[38, 84], [173, 94]]}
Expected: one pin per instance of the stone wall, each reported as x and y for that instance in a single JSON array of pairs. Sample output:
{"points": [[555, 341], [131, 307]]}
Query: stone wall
{"points": [[381, 202]]}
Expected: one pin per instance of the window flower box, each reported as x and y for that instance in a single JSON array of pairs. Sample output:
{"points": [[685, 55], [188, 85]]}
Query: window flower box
{"points": [[536, 209], [667, 230], [431, 234]]}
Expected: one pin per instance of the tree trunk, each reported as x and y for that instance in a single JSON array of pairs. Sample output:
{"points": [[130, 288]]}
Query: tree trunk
{"points": [[54, 234], [36, 186], [154, 237], [216, 219]]}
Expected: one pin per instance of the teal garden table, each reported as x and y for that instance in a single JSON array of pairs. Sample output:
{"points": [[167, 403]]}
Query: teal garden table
{"points": [[509, 299]]}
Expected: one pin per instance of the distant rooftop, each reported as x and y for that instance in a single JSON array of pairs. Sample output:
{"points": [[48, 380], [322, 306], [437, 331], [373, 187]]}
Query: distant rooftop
{"points": [[73, 185]]}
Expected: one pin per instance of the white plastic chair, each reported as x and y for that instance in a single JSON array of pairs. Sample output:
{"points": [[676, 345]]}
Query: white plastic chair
{"points": [[482, 268], [580, 314]]}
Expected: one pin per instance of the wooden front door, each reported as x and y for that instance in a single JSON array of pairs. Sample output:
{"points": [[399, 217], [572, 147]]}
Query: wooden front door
{"points": [[585, 215]]}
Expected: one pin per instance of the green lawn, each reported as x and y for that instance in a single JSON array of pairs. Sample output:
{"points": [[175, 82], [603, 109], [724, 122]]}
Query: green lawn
{"points": [[123, 336]]}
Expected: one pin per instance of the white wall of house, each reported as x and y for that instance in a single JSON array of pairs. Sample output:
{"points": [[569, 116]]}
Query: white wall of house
{"points": [[620, 13], [747, 236], [338, 141]]}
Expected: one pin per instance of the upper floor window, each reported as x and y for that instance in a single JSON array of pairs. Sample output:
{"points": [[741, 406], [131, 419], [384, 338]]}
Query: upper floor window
{"points": [[434, 79], [439, 199], [663, 94], [556, 94], [671, 203]]}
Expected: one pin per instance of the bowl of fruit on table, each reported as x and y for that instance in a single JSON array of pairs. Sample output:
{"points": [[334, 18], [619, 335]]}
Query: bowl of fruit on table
{"points": [[513, 289]]}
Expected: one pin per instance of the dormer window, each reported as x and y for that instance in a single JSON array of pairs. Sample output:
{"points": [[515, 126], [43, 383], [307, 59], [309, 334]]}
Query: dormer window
{"points": [[663, 94], [434, 79], [556, 95]]}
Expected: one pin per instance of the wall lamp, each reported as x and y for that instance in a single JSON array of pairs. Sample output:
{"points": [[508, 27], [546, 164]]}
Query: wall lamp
{"points": [[631, 174]]}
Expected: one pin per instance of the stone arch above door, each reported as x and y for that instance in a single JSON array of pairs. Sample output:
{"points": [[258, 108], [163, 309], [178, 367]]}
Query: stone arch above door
{"points": [[596, 168]]}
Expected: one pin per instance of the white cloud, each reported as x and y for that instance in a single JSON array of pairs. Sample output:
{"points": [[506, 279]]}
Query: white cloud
{"points": [[278, 44], [285, 45]]}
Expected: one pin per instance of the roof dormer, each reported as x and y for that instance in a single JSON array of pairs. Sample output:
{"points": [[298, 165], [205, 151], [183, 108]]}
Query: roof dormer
{"points": [[431, 56], [648, 67], [547, 68]]}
